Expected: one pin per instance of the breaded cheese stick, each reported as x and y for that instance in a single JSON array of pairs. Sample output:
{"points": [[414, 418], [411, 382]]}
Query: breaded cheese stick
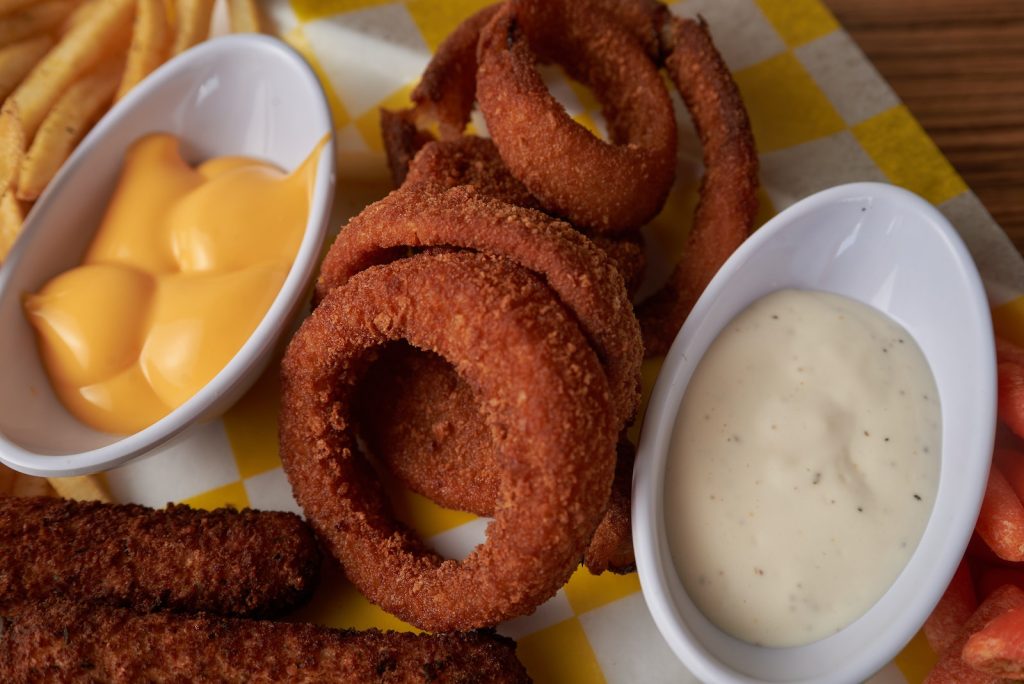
{"points": [[58, 640], [225, 561]]}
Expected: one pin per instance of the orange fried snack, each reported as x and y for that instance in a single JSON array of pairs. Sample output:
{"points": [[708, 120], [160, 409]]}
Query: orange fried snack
{"points": [[62, 641], [951, 668], [993, 577], [1001, 520], [955, 607]]}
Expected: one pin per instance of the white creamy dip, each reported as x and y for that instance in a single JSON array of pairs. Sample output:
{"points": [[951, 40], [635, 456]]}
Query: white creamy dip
{"points": [[803, 467]]}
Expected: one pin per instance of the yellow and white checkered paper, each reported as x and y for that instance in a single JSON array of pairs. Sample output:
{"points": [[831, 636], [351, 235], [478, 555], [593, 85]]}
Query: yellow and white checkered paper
{"points": [[821, 116]]}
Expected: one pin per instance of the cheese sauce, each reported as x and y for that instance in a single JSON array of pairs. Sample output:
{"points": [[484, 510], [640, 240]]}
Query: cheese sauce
{"points": [[803, 467], [184, 266]]}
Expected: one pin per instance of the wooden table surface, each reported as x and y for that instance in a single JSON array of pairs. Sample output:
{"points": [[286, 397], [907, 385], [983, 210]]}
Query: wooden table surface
{"points": [[959, 67]]}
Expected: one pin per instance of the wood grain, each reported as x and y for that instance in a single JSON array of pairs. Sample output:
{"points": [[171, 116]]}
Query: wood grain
{"points": [[959, 67]]}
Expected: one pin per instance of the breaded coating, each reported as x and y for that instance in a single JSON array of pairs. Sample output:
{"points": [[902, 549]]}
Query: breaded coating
{"points": [[581, 275], [605, 187], [224, 561], [728, 191], [546, 399], [63, 641]]}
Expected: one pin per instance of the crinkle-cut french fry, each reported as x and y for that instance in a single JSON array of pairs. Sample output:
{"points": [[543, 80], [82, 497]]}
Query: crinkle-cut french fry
{"points": [[12, 215], [1001, 520], [1011, 396], [244, 16], [953, 610], [193, 23], [998, 648], [12, 144], [69, 120], [78, 51], [17, 59], [951, 668], [34, 19], [149, 43], [80, 488]]}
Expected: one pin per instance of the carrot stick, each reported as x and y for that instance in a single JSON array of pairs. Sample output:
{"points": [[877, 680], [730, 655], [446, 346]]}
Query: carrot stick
{"points": [[951, 668], [1001, 520], [953, 610], [998, 649]]}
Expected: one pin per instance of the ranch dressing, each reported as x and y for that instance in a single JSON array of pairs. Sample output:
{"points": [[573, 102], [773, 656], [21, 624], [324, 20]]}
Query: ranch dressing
{"points": [[803, 467]]}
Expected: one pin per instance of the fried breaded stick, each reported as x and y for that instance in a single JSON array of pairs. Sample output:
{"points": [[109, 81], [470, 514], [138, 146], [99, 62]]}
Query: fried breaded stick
{"points": [[58, 640], [225, 561]]}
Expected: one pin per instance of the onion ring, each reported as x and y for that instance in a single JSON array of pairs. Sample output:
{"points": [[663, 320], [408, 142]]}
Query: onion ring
{"points": [[424, 423], [596, 185], [581, 275], [728, 203], [546, 401], [470, 160]]}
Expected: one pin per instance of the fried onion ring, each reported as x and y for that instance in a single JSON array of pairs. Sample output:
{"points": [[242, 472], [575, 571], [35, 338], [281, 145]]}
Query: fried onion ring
{"points": [[546, 403], [585, 280], [600, 186], [728, 202], [424, 423], [470, 160]]}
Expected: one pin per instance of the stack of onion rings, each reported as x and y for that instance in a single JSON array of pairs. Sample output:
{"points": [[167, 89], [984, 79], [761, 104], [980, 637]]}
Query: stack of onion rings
{"points": [[413, 344], [545, 400]]}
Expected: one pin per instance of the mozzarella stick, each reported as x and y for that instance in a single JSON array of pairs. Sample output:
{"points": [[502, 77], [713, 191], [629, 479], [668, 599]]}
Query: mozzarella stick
{"points": [[224, 561]]}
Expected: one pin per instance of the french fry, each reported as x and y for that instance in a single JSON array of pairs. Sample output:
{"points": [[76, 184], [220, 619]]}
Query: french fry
{"points": [[34, 19], [193, 23], [12, 215], [80, 488], [78, 15], [73, 115], [8, 6], [1001, 520], [17, 60], [79, 51], [1011, 396], [149, 43], [955, 607], [244, 16], [951, 668], [12, 144], [998, 648]]}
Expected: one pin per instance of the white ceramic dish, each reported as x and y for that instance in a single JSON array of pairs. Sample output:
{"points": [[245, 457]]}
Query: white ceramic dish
{"points": [[890, 249], [237, 95]]}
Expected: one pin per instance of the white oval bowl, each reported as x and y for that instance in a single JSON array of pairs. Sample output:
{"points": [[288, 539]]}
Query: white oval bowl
{"points": [[244, 95], [890, 249]]}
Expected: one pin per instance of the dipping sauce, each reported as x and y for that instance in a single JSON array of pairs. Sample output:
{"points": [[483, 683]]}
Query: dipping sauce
{"points": [[803, 467], [181, 271]]}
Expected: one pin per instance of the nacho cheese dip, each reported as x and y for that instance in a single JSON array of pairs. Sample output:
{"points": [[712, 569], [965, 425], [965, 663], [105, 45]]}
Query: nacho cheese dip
{"points": [[802, 468]]}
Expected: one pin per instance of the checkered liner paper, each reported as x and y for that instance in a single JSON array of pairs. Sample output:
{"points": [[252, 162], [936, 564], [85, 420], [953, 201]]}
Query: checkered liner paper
{"points": [[821, 116]]}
